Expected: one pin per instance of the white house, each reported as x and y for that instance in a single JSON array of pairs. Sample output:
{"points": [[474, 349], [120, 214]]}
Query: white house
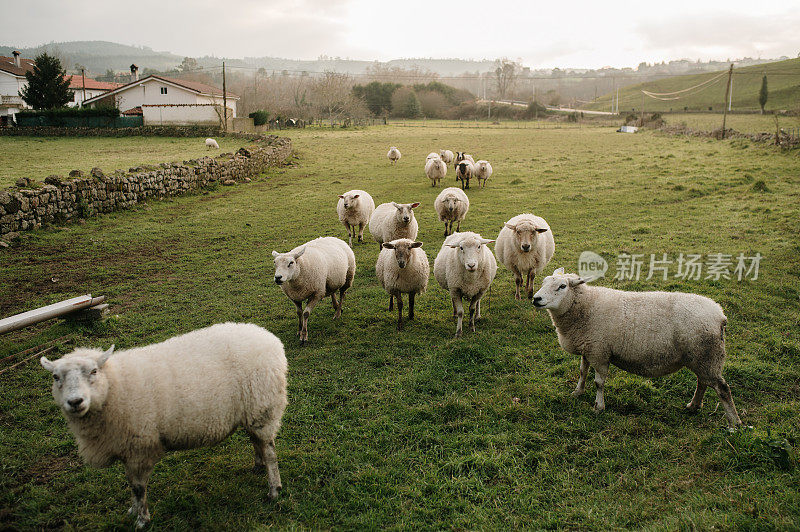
{"points": [[93, 88], [168, 101], [12, 80]]}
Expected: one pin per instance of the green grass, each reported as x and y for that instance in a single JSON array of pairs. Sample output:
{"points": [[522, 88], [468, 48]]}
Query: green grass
{"points": [[418, 430], [783, 80], [745, 123], [39, 157]]}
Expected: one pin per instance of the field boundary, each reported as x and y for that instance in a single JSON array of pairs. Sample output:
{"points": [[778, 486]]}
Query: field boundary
{"points": [[142, 131]]}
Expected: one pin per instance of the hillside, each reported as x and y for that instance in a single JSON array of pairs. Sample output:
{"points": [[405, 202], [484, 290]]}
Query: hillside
{"points": [[783, 78]]}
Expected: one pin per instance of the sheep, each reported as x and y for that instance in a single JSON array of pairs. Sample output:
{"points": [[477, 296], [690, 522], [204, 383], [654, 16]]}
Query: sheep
{"points": [[394, 155], [447, 156], [354, 209], [211, 143], [650, 334], [313, 271], [464, 171], [435, 169], [465, 267], [483, 170], [432, 155], [189, 391], [525, 245], [451, 205], [461, 156], [391, 221], [402, 268]]}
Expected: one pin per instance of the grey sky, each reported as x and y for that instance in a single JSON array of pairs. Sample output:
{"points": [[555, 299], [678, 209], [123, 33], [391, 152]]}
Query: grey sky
{"points": [[541, 34]]}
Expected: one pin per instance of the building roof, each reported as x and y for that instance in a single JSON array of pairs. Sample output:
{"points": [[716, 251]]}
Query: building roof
{"points": [[194, 86], [7, 65], [133, 111], [75, 82]]}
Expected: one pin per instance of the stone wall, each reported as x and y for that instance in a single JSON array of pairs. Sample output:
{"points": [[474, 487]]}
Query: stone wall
{"points": [[62, 200]]}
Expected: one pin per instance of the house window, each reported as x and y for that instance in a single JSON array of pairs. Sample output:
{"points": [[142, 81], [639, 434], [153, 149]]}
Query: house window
{"points": [[163, 90]]}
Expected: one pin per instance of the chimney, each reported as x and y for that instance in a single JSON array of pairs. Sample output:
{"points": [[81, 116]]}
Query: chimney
{"points": [[134, 73], [16, 58]]}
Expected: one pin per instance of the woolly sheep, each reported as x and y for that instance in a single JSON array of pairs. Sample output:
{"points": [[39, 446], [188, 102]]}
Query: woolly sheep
{"points": [[447, 156], [646, 333], [461, 156], [435, 169], [391, 221], [525, 245], [451, 205], [211, 143], [313, 271], [483, 170], [432, 155], [402, 268], [189, 391], [465, 266], [464, 171], [354, 209], [394, 155]]}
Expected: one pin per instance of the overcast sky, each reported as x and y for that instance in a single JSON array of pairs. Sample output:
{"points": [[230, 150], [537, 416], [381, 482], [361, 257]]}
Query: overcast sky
{"points": [[590, 33]]}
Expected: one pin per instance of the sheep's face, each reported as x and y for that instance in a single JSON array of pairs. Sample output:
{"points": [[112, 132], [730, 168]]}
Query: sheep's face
{"points": [[450, 203], [403, 248], [286, 267], [557, 291], [525, 234], [433, 156], [79, 383], [405, 212], [470, 251], [350, 200]]}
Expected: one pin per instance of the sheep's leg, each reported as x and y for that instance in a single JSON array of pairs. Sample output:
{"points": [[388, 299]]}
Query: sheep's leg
{"points": [[266, 458], [411, 305], [391, 302], [455, 312], [335, 305], [361, 232], [600, 374], [137, 475], [478, 312], [446, 232], [399, 312], [697, 400], [472, 307], [312, 302], [517, 283], [458, 306], [458, 226], [529, 284], [724, 393], [349, 233], [581, 387], [299, 305], [342, 292]]}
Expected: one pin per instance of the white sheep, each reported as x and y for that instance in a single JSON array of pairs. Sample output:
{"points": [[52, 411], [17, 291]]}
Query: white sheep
{"points": [[447, 156], [391, 221], [435, 169], [211, 143], [465, 266], [464, 171], [402, 268], [189, 391], [646, 333], [313, 271], [354, 209], [525, 245], [432, 155], [451, 205], [483, 170], [461, 156], [394, 155]]}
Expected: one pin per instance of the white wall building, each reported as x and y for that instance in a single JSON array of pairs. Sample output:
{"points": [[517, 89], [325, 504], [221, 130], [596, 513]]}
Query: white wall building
{"points": [[93, 88], [12, 80]]}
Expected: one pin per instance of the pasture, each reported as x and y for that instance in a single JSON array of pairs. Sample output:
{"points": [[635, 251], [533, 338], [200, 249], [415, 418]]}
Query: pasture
{"points": [[416, 429]]}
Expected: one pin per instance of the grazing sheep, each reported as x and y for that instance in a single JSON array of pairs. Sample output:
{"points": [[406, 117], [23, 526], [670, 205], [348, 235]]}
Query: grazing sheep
{"points": [[432, 155], [465, 267], [646, 333], [189, 391], [483, 170], [402, 268], [464, 171], [394, 155], [391, 221], [435, 169], [525, 245], [461, 156], [354, 209], [447, 156], [451, 205], [211, 143], [313, 271]]}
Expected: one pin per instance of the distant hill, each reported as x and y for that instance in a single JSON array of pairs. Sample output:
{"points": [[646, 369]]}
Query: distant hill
{"points": [[783, 81]]}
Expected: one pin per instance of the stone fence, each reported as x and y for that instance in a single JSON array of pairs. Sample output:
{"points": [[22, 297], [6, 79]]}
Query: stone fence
{"points": [[62, 200]]}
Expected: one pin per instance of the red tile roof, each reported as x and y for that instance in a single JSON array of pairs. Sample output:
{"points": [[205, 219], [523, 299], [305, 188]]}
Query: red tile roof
{"points": [[7, 65], [133, 111], [75, 82]]}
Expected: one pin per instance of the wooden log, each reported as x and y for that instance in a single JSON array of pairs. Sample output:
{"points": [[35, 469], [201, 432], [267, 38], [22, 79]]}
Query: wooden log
{"points": [[18, 321]]}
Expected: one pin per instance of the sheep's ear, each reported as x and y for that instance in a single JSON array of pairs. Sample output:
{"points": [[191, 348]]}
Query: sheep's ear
{"points": [[457, 244], [559, 271], [541, 230], [512, 227], [356, 196], [46, 364], [388, 245], [486, 241], [341, 196], [275, 253], [416, 245], [576, 282], [302, 250], [415, 205], [104, 357], [396, 205]]}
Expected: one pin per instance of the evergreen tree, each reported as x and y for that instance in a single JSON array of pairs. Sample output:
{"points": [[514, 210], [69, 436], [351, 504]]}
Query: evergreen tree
{"points": [[411, 107], [763, 94], [47, 87]]}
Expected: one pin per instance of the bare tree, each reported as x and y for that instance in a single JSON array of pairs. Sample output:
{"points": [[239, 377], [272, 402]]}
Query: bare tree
{"points": [[332, 96], [506, 75]]}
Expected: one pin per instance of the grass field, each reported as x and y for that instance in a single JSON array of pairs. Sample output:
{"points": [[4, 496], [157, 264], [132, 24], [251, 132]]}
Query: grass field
{"points": [[39, 157], [745, 123], [415, 429]]}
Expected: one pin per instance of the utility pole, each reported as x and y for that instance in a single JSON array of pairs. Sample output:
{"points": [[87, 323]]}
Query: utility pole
{"points": [[727, 100], [224, 100], [83, 82], [617, 105], [730, 99], [641, 120]]}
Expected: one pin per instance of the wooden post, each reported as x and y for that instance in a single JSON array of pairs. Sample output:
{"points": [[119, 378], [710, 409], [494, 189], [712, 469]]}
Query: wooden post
{"points": [[727, 95], [83, 82], [641, 120], [224, 100]]}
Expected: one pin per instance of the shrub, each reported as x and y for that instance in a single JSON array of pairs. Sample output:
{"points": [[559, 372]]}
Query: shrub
{"points": [[259, 117], [79, 112]]}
